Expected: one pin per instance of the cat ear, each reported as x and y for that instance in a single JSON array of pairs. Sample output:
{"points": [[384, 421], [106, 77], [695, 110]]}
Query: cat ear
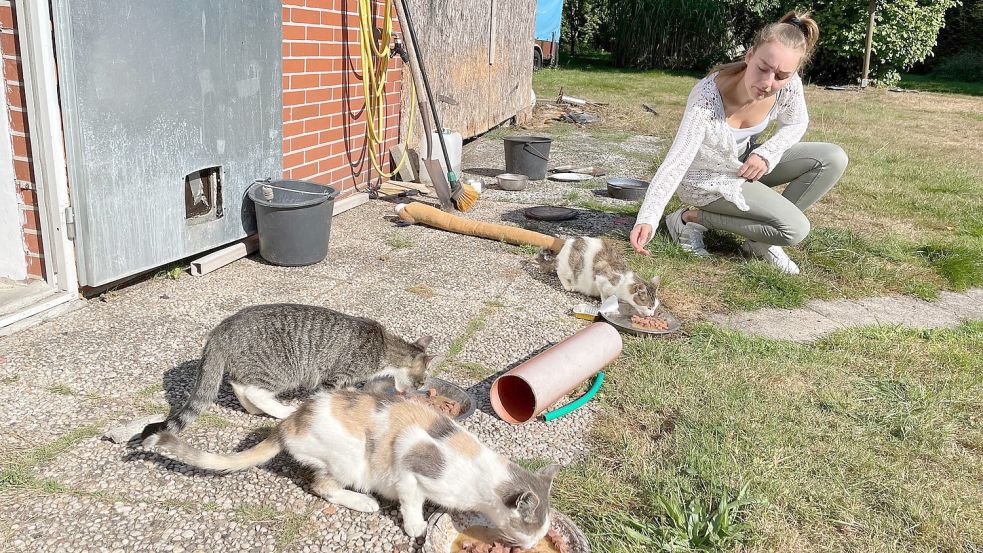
{"points": [[526, 503], [424, 341], [656, 281], [433, 361], [549, 472]]}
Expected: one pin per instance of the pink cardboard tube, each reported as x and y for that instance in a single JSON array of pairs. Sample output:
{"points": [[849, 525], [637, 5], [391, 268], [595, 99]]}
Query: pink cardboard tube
{"points": [[527, 390]]}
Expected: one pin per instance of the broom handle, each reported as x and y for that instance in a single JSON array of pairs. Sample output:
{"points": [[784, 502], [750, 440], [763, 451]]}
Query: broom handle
{"points": [[410, 43], [426, 84]]}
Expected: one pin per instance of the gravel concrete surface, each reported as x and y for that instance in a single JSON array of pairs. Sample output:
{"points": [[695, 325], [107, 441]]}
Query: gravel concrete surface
{"points": [[132, 351]]}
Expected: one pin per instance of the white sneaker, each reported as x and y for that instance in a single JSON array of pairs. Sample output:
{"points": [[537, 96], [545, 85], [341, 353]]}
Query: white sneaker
{"points": [[689, 236], [772, 254]]}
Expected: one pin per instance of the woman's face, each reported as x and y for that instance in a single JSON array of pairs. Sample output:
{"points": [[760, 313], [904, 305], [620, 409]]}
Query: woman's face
{"points": [[769, 67]]}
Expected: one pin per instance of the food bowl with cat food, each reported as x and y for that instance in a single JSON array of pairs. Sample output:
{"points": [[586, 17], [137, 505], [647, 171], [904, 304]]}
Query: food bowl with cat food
{"points": [[446, 397], [470, 533], [661, 323]]}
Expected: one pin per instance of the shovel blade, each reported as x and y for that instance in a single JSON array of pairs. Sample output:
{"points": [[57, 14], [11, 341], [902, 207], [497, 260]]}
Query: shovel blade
{"points": [[440, 184]]}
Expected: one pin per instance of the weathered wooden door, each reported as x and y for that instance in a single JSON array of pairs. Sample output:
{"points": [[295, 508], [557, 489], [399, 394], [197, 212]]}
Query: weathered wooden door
{"points": [[171, 110], [479, 55]]}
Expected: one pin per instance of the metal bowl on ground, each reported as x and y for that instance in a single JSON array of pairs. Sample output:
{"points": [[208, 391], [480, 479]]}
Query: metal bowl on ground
{"points": [[512, 181], [627, 189], [549, 213], [623, 323], [444, 528], [444, 388]]}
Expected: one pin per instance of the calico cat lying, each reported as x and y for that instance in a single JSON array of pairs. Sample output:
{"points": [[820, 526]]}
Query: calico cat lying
{"points": [[596, 267], [274, 348], [401, 450]]}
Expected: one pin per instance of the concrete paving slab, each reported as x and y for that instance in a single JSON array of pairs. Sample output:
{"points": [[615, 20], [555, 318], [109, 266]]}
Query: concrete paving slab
{"points": [[819, 318]]}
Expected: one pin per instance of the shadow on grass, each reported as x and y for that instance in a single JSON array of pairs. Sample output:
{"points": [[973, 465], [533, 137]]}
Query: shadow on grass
{"points": [[932, 83], [604, 62]]}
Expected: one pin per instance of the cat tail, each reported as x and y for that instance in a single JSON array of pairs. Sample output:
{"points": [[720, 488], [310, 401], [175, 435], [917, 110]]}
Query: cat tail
{"points": [[204, 394], [546, 259], [256, 455]]}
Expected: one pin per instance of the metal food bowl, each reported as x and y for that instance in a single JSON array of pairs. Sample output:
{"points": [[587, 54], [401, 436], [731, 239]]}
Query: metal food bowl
{"points": [[627, 189], [444, 528], [384, 386], [512, 181], [549, 213], [622, 321]]}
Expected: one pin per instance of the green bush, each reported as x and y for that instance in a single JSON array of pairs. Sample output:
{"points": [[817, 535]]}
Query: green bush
{"points": [[696, 34], [905, 32], [966, 67], [674, 34], [963, 30], [586, 25]]}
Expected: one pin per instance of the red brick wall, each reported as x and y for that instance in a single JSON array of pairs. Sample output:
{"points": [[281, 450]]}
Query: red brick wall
{"points": [[14, 83], [324, 129]]}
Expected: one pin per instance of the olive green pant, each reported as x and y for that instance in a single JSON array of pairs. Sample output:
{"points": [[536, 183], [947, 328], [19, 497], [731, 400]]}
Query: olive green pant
{"points": [[809, 168]]}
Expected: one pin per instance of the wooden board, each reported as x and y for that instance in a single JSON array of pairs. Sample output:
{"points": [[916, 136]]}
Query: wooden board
{"points": [[456, 44]]}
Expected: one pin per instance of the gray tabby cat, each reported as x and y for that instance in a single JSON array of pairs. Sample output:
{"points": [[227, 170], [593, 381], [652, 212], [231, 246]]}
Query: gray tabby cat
{"points": [[275, 348], [596, 267], [402, 450]]}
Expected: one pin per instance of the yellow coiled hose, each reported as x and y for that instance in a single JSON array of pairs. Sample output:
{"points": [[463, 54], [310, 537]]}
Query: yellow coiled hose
{"points": [[375, 66]]}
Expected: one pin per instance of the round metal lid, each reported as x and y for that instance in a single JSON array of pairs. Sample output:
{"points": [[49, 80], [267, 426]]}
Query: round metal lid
{"points": [[550, 213]]}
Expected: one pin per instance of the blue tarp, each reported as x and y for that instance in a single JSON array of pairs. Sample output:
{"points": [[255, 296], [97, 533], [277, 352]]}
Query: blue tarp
{"points": [[548, 13]]}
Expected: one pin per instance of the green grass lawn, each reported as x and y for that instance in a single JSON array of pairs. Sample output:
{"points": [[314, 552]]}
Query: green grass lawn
{"points": [[906, 218], [869, 440]]}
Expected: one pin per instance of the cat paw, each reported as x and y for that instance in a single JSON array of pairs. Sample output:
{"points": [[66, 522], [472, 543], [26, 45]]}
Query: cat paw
{"points": [[284, 413], [361, 503], [415, 528]]}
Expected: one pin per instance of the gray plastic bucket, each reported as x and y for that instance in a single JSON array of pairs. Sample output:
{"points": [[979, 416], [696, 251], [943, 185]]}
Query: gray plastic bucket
{"points": [[295, 225], [527, 155]]}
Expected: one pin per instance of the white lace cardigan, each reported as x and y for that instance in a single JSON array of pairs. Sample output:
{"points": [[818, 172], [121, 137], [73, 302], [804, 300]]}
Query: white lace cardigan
{"points": [[703, 160]]}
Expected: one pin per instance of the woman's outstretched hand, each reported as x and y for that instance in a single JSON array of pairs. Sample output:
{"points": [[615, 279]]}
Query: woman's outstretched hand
{"points": [[640, 235], [753, 168]]}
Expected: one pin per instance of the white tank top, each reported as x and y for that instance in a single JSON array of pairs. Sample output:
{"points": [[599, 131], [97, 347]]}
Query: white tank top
{"points": [[742, 136]]}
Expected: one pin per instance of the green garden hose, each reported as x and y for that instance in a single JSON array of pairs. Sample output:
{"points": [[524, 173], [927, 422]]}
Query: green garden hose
{"points": [[577, 403]]}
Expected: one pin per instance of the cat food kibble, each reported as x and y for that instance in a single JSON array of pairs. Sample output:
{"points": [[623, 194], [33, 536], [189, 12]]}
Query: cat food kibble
{"points": [[441, 403], [470, 541], [649, 323]]}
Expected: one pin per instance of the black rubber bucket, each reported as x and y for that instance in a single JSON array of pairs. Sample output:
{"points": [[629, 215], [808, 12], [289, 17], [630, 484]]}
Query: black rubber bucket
{"points": [[527, 155], [294, 225]]}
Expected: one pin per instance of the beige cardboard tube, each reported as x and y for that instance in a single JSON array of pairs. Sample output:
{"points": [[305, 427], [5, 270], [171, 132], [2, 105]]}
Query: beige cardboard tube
{"points": [[416, 212], [527, 390]]}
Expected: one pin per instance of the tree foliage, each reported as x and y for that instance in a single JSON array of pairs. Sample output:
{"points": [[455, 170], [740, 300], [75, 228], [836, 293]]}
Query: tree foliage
{"points": [[696, 34], [905, 32]]}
